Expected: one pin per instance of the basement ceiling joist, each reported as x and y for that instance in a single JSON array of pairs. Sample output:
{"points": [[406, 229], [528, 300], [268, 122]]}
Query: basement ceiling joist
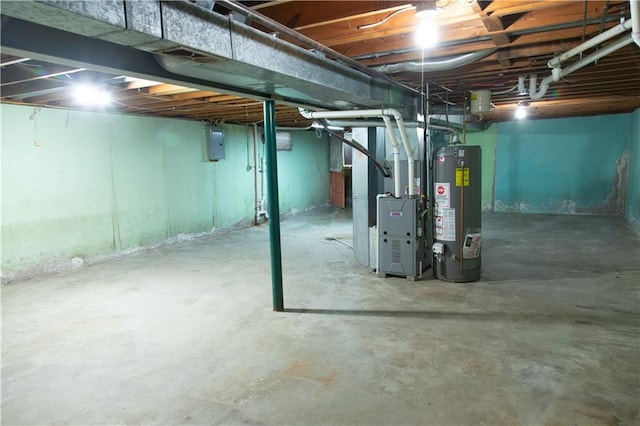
{"points": [[524, 34]]}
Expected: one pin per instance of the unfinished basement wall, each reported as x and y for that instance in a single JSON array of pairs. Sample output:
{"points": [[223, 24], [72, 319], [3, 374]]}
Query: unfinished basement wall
{"points": [[632, 210], [82, 186], [569, 165]]}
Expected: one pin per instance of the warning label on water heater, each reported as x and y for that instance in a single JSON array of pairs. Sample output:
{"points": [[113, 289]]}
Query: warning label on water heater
{"points": [[445, 223], [462, 177], [442, 194], [471, 247]]}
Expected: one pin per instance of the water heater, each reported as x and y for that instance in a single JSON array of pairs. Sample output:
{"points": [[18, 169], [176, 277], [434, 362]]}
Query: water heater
{"points": [[457, 213]]}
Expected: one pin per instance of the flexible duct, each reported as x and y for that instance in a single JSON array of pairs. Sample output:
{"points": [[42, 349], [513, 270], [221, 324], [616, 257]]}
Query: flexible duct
{"points": [[388, 112], [432, 66]]}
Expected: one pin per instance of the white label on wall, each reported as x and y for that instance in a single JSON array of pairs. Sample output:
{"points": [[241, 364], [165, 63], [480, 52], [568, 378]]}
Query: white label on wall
{"points": [[442, 194], [448, 225]]}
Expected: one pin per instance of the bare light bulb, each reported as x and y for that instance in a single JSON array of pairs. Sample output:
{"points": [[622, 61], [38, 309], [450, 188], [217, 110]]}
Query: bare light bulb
{"points": [[89, 95], [521, 112], [426, 34]]}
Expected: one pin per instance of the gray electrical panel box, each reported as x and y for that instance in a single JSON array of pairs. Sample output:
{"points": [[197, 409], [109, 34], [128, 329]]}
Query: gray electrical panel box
{"points": [[402, 248], [215, 143]]}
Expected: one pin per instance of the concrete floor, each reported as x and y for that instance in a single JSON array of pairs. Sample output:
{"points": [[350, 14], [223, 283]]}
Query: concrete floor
{"points": [[185, 334]]}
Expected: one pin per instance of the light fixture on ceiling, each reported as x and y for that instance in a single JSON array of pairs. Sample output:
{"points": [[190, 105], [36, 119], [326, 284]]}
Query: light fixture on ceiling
{"points": [[522, 111], [90, 95], [426, 9], [426, 34]]}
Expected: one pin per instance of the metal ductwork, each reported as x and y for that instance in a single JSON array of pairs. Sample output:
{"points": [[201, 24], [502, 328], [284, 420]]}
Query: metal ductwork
{"points": [[433, 66], [179, 42], [206, 4]]}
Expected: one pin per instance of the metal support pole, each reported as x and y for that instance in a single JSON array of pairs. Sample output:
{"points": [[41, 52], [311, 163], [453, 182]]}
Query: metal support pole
{"points": [[273, 204]]}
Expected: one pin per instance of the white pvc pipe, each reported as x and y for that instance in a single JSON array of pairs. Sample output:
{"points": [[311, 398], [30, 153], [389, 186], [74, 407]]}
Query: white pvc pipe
{"points": [[533, 90], [635, 20], [618, 44], [371, 123], [397, 187], [610, 33], [411, 160], [368, 113], [521, 89], [558, 73]]}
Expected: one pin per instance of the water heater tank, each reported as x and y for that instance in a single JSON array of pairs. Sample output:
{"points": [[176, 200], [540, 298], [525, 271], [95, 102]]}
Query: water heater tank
{"points": [[480, 101], [457, 213]]}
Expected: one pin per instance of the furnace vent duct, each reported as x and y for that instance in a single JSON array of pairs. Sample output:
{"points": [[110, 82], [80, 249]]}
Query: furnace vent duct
{"points": [[432, 66]]}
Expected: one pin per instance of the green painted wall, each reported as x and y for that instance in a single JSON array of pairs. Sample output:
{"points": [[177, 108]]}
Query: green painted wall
{"points": [[569, 165], [89, 185], [632, 207], [487, 140], [565, 165], [303, 172]]}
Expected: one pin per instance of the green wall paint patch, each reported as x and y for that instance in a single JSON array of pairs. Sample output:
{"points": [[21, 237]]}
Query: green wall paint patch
{"points": [[85, 185]]}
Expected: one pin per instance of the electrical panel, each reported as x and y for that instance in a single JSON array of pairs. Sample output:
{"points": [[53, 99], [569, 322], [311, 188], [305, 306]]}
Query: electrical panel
{"points": [[215, 143]]}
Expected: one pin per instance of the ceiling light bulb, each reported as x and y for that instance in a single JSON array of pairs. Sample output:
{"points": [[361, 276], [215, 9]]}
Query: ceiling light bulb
{"points": [[426, 34], [88, 95], [426, 9], [521, 112]]}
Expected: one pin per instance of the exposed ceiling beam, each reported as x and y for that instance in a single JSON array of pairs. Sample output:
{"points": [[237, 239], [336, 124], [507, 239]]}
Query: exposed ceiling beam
{"points": [[22, 73]]}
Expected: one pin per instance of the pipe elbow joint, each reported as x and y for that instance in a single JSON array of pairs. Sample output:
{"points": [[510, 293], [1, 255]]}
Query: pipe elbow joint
{"points": [[394, 113], [305, 113], [541, 91]]}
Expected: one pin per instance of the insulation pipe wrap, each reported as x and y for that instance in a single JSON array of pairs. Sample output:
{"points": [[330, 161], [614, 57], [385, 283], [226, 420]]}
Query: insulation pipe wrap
{"points": [[369, 113]]}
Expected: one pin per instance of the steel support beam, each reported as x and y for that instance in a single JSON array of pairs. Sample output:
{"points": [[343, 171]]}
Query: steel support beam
{"points": [[273, 204], [22, 38], [191, 44]]}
